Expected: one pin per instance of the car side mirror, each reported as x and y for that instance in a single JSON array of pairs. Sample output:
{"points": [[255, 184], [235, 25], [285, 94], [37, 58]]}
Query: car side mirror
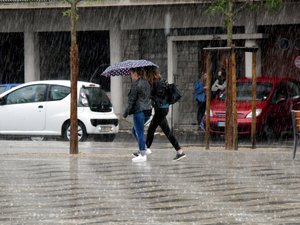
{"points": [[2, 101]]}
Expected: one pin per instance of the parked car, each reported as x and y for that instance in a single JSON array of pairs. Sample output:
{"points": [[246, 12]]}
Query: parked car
{"points": [[5, 87], [275, 97], [42, 108]]}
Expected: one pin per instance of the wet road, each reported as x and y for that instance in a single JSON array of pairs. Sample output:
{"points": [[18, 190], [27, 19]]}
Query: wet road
{"points": [[40, 183]]}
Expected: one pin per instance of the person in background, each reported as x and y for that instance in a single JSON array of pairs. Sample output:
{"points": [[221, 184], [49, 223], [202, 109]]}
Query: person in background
{"points": [[200, 98], [161, 109], [220, 84], [139, 104]]}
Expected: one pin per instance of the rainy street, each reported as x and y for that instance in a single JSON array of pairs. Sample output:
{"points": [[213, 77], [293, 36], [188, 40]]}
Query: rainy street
{"points": [[225, 71], [41, 183]]}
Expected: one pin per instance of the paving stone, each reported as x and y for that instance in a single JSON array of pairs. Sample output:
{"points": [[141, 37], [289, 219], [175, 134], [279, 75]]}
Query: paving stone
{"points": [[41, 183]]}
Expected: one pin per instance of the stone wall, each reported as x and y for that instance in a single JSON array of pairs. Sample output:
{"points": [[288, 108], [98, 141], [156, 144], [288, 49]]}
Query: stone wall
{"points": [[187, 73], [130, 46], [152, 45]]}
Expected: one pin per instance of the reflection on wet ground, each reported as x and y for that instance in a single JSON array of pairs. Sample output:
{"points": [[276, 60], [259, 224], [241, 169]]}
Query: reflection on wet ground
{"points": [[40, 183]]}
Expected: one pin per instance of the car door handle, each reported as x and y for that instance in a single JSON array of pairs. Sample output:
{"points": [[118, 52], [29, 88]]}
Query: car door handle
{"points": [[40, 107]]}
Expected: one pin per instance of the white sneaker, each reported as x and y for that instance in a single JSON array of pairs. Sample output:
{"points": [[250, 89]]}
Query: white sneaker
{"points": [[148, 152], [140, 158]]}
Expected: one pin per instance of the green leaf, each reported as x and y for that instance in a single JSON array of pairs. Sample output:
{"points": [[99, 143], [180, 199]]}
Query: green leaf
{"points": [[67, 12], [274, 5]]}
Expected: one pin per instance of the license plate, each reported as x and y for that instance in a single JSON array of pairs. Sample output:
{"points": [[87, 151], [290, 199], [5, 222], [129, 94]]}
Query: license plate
{"points": [[105, 128], [221, 124]]}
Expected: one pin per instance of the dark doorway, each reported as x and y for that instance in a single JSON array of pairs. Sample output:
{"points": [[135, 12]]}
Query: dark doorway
{"points": [[93, 53], [11, 58]]}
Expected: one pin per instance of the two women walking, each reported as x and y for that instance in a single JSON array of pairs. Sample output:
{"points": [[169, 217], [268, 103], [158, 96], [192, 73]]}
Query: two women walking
{"points": [[148, 86]]}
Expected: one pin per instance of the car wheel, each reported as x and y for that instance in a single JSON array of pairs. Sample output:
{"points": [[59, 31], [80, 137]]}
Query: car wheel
{"points": [[82, 134]]}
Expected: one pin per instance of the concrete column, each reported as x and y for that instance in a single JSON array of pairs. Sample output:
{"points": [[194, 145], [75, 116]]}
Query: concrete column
{"points": [[172, 69], [248, 58], [31, 56], [116, 86], [258, 62], [250, 27]]}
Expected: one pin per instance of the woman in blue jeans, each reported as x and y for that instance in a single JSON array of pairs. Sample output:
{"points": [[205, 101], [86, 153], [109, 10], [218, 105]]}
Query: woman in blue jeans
{"points": [[139, 104]]}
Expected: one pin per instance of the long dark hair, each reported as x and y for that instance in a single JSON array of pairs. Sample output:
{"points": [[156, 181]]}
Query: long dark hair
{"points": [[152, 74], [140, 72]]}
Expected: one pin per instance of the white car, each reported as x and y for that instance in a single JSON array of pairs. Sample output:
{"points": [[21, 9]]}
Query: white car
{"points": [[42, 108]]}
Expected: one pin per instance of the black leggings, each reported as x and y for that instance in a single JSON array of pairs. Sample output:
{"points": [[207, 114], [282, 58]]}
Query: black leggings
{"points": [[159, 119]]}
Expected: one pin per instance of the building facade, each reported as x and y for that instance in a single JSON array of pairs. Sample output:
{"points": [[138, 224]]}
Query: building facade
{"points": [[35, 42]]}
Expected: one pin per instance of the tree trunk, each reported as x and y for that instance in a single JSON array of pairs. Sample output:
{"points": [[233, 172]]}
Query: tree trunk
{"points": [[208, 94], [230, 124], [228, 103], [229, 22], [253, 124], [234, 113], [74, 78]]}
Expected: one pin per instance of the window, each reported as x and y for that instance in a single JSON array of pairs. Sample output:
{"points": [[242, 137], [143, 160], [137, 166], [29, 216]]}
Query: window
{"points": [[97, 99], [297, 44], [2, 89], [58, 92], [280, 94], [33, 93], [283, 43], [244, 91], [40, 93], [294, 90]]}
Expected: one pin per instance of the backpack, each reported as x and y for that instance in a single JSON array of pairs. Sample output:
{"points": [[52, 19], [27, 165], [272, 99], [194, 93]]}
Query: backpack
{"points": [[159, 93], [174, 95], [165, 93]]}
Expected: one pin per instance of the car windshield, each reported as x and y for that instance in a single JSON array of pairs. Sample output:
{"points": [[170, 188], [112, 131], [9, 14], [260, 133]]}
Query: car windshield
{"points": [[244, 91], [98, 100]]}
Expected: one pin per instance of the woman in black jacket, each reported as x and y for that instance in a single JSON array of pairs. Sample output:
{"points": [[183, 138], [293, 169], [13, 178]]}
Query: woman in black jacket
{"points": [[161, 109]]}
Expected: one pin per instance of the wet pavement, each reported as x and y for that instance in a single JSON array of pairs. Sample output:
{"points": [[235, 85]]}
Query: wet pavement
{"points": [[41, 183]]}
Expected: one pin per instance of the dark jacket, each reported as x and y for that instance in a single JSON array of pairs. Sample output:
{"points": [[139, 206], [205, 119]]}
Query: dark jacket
{"points": [[159, 94], [199, 91], [138, 97]]}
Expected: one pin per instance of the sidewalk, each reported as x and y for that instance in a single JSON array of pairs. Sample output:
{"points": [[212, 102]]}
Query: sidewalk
{"points": [[191, 136], [42, 184]]}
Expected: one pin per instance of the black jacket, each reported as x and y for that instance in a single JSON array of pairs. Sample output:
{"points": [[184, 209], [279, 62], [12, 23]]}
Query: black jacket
{"points": [[159, 94]]}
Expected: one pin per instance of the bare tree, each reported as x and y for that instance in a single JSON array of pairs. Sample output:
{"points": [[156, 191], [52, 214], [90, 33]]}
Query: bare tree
{"points": [[227, 9], [230, 9], [73, 14]]}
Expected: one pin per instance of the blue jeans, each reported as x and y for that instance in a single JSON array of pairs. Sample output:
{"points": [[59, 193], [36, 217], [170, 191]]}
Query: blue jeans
{"points": [[139, 119]]}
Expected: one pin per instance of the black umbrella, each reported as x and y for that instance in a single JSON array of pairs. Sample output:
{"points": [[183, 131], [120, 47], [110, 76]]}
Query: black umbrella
{"points": [[123, 68]]}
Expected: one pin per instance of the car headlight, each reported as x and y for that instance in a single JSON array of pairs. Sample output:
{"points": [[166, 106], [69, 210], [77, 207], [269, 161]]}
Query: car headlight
{"points": [[210, 113], [257, 112], [83, 99]]}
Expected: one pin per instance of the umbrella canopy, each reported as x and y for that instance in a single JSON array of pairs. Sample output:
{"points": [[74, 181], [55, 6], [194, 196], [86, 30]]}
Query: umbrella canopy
{"points": [[123, 68]]}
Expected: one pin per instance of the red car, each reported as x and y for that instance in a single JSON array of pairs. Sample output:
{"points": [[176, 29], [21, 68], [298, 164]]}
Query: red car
{"points": [[275, 98]]}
